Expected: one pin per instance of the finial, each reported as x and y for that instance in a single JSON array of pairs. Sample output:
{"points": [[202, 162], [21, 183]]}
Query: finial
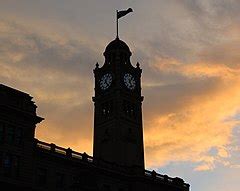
{"points": [[154, 174], [138, 64], [97, 65]]}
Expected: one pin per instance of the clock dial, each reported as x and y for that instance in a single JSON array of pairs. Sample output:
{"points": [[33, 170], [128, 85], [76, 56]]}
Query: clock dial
{"points": [[129, 81], [105, 81]]}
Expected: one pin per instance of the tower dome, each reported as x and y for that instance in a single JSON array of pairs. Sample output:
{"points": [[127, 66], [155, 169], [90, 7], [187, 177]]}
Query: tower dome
{"points": [[117, 45]]}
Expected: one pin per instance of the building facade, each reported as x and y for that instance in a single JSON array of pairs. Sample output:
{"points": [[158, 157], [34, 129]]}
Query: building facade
{"points": [[118, 151]]}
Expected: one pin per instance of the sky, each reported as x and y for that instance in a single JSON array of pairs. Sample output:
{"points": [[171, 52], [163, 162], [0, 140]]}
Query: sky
{"points": [[189, 51]]}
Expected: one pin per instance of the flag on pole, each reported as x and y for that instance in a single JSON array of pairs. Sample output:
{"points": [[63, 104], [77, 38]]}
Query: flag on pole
{"points": [[123, 13]]}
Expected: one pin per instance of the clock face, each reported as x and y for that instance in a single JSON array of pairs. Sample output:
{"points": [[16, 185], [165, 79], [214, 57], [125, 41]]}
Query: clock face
{"points": [[105, 81], [129, 81]]}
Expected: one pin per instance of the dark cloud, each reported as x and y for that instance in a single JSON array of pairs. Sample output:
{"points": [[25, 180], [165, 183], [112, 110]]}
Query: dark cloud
{"points": [[166, 99], [45, 53]]}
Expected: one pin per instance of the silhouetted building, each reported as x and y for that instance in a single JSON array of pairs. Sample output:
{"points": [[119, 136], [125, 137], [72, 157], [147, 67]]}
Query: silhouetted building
{"points": [[118, 154]]}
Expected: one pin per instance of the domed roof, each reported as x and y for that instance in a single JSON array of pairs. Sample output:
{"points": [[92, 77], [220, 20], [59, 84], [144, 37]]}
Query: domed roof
{"points": [[117, 44]]}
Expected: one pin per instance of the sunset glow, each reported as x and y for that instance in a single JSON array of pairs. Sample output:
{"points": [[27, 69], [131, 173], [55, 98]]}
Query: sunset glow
{"points": [[189, 51]]}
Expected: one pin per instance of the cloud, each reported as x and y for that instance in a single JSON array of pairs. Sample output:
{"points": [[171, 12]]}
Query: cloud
{"points": [[203, 167], [191, 116], [189, 52], [57, 73], [191, 79]]}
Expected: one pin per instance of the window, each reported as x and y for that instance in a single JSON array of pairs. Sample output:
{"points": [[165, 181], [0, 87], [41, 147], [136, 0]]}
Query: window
{"points": [[10, 135], [14, 135], [129, 109], [60, 180], [7, 165], [1, 161], [41, 178], [11, 165], [15, 165], [18, 136], [106, 109], [1, 132]]}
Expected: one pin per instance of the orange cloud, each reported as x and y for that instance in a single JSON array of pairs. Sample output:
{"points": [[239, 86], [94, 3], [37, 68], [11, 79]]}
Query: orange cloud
{"points": [[54, 73], [202, 122]]}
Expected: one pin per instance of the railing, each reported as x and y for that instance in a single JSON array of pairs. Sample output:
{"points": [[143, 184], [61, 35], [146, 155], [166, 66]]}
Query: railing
{"points": [[176, 181], [63, 151], [52, 148]]}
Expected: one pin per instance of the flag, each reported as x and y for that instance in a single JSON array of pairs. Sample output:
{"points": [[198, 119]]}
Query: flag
{"points": [[123, 13]]}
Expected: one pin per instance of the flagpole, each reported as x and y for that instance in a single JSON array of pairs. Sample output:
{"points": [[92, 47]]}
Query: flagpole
{"points": [[117, 21]]}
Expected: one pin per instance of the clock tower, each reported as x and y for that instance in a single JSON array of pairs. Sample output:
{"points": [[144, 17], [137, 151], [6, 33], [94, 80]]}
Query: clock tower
{"points": [[118, 129]]}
